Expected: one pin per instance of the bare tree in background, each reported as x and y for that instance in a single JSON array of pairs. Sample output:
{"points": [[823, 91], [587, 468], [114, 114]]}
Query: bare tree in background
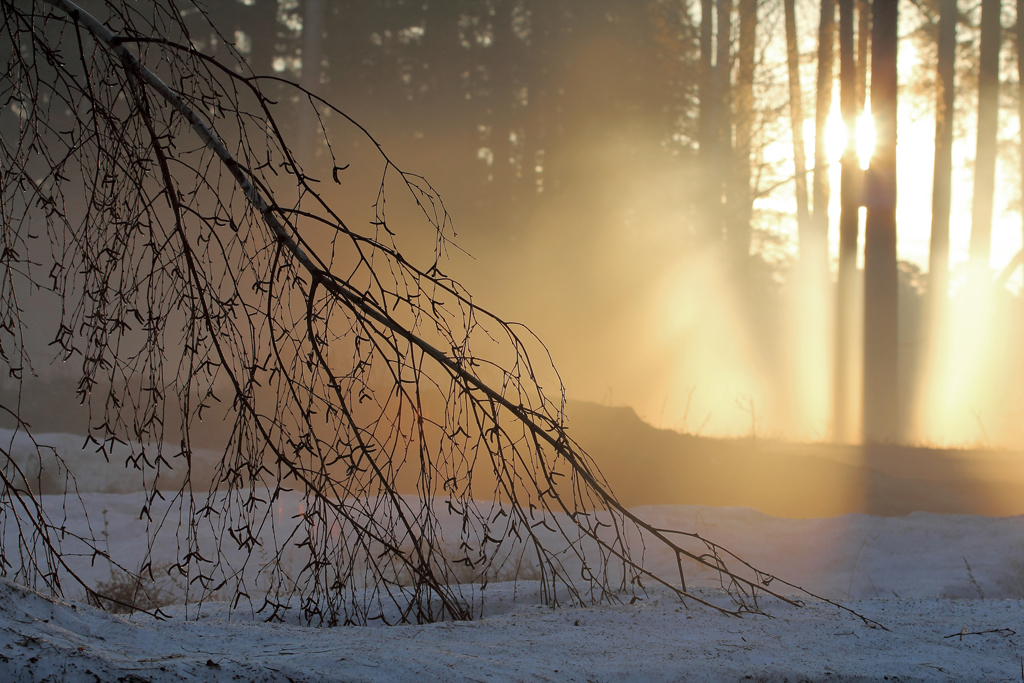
{"points": [[863, 50], [1018, 259], [938, 253], [204, 270], [796, 115], [988, 123], [741, 202], [705, 132], [849, 230], [1019, 34], [881, 319], [934, 361], [715, 124], [817, 239]]}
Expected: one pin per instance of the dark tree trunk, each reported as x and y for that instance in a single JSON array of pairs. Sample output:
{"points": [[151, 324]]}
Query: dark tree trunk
{"points": [[937, 296], [739, 228], [796, 114], [988, 120], [849, 227], [721, 76], [863, 51], [823, 104], [707, 130], [881, 404], [1020, 100], [705, 124], [938, 256]]}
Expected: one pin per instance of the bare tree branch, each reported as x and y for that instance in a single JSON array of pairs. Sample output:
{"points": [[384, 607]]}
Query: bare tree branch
{"points": [[409, 425]]}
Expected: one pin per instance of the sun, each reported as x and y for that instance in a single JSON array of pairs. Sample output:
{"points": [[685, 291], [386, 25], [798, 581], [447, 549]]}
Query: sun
{"points": [[835, 136]]}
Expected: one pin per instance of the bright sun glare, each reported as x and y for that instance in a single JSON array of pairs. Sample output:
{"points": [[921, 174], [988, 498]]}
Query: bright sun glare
{"points": [[835, 136], [865, 137]]}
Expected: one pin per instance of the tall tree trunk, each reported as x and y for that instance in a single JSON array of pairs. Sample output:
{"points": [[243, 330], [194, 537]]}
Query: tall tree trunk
{"points": [[706, 125], [722, 76], [881, 400], [933, 366], [938, 255], [849, 227], [796, 115], [863, 51], [740, 203], [822, 106], [1020, 99], [988, 120]]}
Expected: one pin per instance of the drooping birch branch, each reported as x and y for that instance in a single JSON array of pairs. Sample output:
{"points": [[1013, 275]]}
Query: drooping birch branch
{"points": [[361, 532]]}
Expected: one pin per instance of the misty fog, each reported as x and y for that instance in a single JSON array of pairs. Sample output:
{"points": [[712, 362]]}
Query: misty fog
{"points": [[564, 142]]}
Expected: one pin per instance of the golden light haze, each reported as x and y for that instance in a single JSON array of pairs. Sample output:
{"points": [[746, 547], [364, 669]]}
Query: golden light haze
{"points": [[634, 318], [574, 179]]}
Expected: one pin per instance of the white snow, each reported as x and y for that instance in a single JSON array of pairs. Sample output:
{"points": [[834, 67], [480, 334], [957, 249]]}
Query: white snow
{"points": [[923, 577], [652, 640], [921, 558]]}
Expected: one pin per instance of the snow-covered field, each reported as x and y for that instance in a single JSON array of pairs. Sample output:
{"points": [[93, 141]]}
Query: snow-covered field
{"points": [[651, 640], [923, 577]]}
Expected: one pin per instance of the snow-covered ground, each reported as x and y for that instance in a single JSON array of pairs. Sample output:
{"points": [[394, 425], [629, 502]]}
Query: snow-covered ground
{"points": [[923, 577], [652, 640]]}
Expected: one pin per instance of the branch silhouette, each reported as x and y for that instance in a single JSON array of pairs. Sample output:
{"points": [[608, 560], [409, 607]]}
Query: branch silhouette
{"points": [[408, 427]]}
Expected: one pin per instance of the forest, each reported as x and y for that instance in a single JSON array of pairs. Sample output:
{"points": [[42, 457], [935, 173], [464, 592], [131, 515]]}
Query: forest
{"points": [[577, 146]]}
